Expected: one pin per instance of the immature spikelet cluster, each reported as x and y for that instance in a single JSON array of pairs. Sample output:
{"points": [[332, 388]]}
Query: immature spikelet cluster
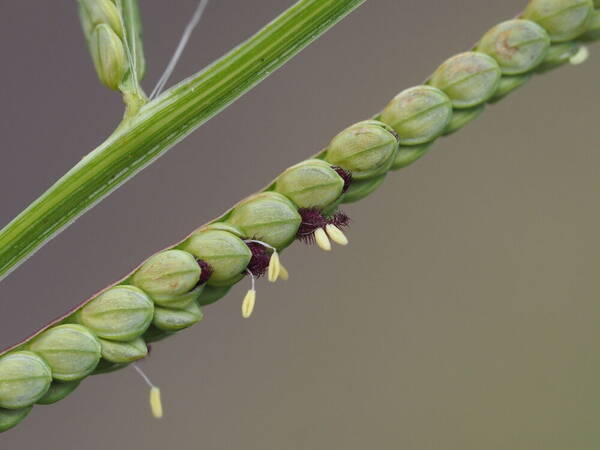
{"points": [[166, 293], [115, 45]]}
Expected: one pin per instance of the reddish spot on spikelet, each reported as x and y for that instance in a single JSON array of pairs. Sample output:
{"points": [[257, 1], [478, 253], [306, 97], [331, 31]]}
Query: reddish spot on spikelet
{"points": [[207, 271]]}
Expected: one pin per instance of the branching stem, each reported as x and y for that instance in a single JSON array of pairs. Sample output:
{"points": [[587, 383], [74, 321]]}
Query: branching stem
{"points": [[161, 123]]}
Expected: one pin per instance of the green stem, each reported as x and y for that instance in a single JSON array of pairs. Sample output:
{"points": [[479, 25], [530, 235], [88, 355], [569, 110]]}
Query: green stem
{"points": [[133, 96], [162, 123]]}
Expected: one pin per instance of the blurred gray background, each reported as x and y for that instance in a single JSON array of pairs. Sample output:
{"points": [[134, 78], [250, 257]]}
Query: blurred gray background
{"points": [[464, 314]]}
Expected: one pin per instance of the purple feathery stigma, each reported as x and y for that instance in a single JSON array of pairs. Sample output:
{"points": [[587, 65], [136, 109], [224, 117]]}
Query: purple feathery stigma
{"points": [[259, 262], [346, 175], [206, 271], [313, 219]]}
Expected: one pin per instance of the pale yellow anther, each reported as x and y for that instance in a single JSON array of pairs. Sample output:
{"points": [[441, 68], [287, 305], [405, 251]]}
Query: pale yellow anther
{"points": [[248, 303], [156, 403], [274, 267], [322, 239], [336, 234], [283, 273], [581, 56]]}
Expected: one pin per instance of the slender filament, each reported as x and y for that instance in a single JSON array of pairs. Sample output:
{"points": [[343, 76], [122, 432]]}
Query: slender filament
{"points": [[185, 37]]}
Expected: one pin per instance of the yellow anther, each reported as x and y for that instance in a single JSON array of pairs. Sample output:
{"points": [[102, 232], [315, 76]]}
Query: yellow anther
{"points": [[336, 234], [581, 56], [322, 239], [248, 303], [274, 267], [283, 273], [156, 403]]}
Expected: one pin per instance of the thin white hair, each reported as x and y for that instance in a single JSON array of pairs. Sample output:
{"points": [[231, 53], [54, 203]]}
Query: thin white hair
{"points": [[185, 37]]}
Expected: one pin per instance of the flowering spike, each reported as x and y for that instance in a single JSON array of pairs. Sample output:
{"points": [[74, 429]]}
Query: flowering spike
{"points": [[322, 239], [274, 267], [336, 235], [283, 273], [248, 303]]}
